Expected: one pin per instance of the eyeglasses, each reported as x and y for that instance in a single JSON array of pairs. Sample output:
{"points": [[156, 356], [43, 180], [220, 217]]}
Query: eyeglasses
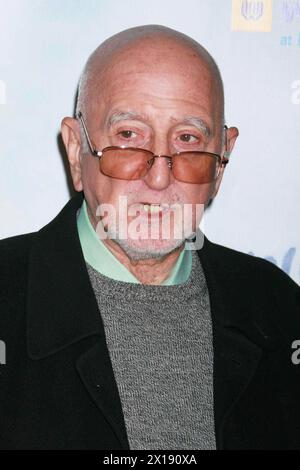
{"points": [[132, 163]]}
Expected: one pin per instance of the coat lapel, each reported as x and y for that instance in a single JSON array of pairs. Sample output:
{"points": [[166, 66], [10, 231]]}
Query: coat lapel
{"points": [[62, 310], [241, 335], [95, 370], [235, 362]]}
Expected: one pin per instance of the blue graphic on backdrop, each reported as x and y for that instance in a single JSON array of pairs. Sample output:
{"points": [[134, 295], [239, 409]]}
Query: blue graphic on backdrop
{"points": [[252, 10], [287, 260], [291, 10]]}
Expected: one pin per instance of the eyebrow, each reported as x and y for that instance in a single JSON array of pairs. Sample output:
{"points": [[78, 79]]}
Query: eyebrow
{"points": [[194, 121], [197, 122], [118, 116]]}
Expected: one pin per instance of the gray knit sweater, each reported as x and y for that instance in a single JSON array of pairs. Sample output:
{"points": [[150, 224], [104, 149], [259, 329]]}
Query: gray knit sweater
{"points": [[160, 344]]}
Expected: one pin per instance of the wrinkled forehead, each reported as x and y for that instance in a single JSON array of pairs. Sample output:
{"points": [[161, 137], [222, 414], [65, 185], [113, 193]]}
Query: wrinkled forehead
{"points": [[159, 64], [159, 51]]}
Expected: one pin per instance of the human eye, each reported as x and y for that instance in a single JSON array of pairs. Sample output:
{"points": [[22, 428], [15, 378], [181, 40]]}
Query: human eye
{"points": [[132, 136], [188, 138], [127, 134]]}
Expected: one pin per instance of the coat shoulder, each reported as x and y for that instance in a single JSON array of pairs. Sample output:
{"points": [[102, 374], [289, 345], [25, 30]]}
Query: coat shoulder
{"points": [[252, 267], [274, 297], [14, 252], [14, 261]]}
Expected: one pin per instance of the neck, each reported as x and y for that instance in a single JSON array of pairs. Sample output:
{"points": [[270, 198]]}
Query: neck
{"points": [[147, 271]]}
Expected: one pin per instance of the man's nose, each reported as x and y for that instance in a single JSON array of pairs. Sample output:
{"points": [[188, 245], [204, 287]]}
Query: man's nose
{"points": [[160, 175]]}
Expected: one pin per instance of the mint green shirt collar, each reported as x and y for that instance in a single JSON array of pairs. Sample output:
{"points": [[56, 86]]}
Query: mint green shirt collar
{"points": [[100, 257]]}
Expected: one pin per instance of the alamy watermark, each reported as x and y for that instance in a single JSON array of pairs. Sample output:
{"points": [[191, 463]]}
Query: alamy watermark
{"points": [[151, 221], [295, 96], [2, 352], [2, 92], [296, 354]]}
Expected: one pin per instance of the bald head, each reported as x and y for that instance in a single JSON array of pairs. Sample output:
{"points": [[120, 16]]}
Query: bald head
{"points": [[151, 45]]}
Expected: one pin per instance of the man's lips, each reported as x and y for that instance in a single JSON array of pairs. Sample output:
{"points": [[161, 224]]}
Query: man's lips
{"points": [[149, 209]]}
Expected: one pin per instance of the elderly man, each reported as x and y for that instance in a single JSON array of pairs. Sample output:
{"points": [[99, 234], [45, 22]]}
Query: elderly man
{"points": [[120, 337]]}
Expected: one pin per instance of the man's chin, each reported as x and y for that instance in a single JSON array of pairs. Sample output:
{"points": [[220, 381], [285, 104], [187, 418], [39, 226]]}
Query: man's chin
{"points": [[148, 249]]}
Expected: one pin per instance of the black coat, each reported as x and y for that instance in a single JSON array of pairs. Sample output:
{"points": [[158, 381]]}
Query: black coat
{"points": [[57, 388]]}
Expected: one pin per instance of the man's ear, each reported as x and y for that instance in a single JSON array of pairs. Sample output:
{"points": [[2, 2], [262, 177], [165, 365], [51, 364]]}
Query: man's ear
{"points": [[70, 131], [231, 135]]}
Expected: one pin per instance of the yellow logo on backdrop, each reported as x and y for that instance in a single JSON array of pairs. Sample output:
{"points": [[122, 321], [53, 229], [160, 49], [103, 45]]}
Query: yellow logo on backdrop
{"points": [[251, 15]]}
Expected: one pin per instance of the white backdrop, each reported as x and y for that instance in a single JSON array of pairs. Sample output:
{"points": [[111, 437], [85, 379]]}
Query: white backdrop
{"points": [[43, 47]]}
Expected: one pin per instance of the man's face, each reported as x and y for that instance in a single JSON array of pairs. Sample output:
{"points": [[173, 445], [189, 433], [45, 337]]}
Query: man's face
{"points": [[165, 102]]}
